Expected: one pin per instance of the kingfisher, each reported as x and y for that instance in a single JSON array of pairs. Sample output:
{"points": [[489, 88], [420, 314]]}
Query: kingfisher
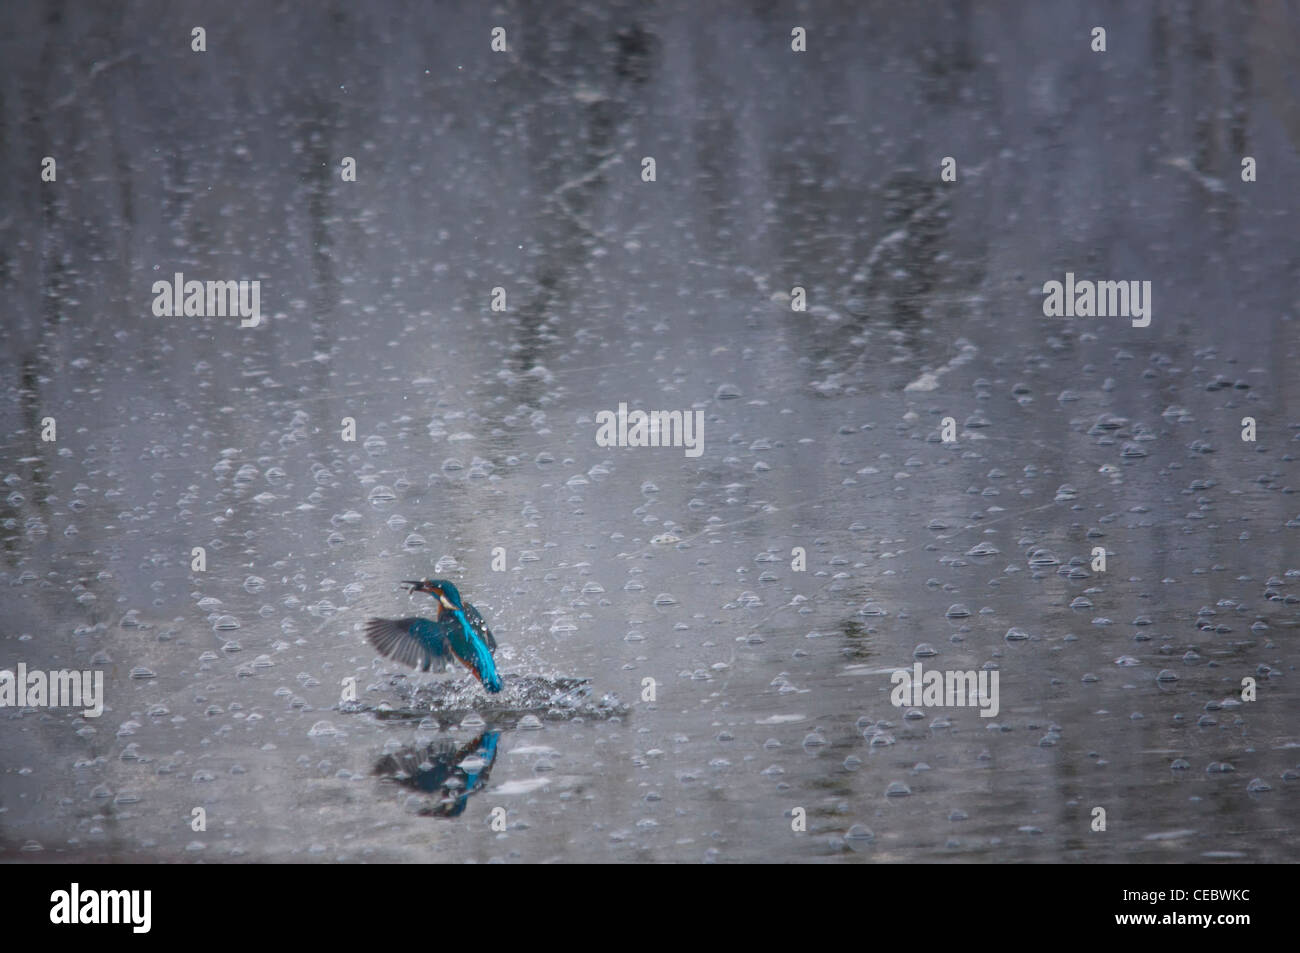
{"points": [[458, 632]]}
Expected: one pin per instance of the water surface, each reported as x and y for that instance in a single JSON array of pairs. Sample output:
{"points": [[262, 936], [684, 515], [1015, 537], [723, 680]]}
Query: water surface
{"points": [[475, 430]]}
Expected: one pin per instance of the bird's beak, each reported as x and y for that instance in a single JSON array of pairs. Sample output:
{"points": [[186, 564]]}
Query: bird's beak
{"points": [[415, 584]]}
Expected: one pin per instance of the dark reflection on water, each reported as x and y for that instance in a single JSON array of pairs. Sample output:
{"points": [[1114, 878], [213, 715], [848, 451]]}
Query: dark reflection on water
{"points": [[451, 771]]}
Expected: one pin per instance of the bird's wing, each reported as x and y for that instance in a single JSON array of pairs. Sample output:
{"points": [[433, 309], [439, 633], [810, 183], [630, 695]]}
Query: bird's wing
{"points": [[411, 641], [479, 626]]}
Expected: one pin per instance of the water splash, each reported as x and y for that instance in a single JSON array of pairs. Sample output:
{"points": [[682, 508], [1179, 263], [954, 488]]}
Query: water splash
{"points": [[451, 701]]}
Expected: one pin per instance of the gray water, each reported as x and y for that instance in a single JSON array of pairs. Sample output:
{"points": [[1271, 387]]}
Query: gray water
{"points": [[475, 429]]}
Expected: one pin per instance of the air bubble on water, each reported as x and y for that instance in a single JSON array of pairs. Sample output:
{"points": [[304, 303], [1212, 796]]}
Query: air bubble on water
{"points": [[858, 835]]}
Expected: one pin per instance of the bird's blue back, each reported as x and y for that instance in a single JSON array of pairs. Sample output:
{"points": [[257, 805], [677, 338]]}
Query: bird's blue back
{"points": [[471, 649]]}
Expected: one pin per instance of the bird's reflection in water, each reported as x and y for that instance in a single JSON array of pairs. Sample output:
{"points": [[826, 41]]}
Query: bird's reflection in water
{"points": [[446, 771]]}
